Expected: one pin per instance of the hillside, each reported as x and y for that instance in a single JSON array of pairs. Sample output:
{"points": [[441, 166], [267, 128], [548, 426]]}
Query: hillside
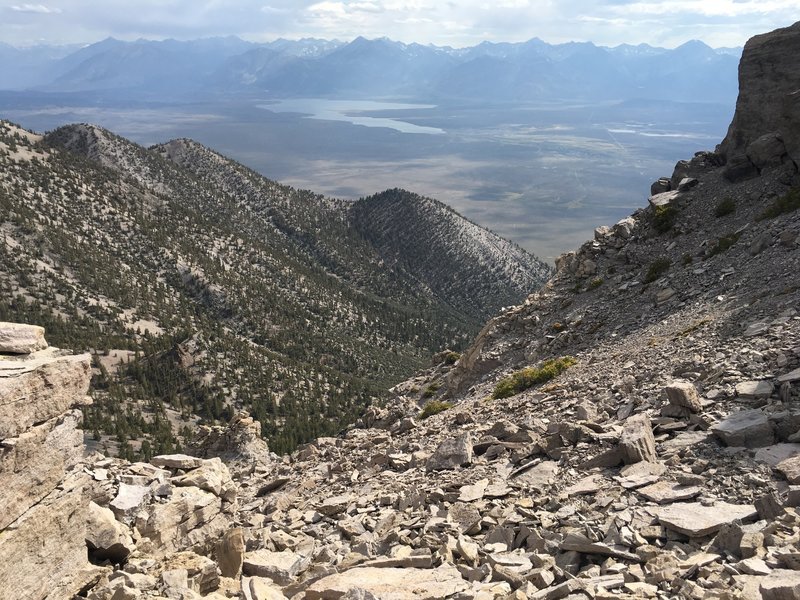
{"points": [[217, 289]]}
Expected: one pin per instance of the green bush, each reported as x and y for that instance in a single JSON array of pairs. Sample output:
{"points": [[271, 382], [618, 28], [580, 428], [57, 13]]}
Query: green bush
{"points": [[657, 268], [724, 243], [451, 358], [664, 218], [434, 407], [595, 283], [782, 205], [520, 381], [430, 390], [726, 206]]}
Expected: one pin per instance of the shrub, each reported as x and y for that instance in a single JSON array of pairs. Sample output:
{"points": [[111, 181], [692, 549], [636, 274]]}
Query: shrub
{"points": [[782, 205], [724, 243], [664, 218], [430, 390], [434, 407], [451, 358], [595, 283], [657, 268], [520, 381], [726, 206]]}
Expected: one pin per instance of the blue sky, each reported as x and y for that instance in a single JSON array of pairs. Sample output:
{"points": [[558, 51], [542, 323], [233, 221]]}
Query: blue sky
{"points": [[441, 22]]}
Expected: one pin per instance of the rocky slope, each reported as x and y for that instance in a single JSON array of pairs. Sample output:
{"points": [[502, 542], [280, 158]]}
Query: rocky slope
{"points": [[249, 293], [631, 431]]}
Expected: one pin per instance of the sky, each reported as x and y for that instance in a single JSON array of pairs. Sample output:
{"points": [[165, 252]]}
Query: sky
{"points": [[460, 23]]}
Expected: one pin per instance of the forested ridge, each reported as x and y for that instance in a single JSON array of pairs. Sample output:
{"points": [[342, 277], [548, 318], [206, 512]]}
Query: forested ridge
{"points": [[202, 287]]}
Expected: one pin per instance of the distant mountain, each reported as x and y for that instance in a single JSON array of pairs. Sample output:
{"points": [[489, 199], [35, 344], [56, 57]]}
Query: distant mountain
{"points": [[362, 68], [145, 68], [220, 289], [30, 66]]}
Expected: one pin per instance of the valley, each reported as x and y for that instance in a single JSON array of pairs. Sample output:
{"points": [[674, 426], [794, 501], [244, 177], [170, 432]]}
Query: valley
{"points": [[539, 174]]}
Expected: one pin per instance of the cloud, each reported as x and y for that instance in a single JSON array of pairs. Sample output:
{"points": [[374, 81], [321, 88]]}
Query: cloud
{"points": [[442, 22], [35, 8]]}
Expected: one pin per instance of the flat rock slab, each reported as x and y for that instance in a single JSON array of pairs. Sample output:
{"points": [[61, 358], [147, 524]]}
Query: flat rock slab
{"points": [[772, 455], [781, 584], [16, 338], [755, 390], [684, 440], [662, 199], [391, 583], [176, 461], [748, 428], [280, 567], [695, 520], [790, 377], [539, 476], [664, 492], [640, 474], [471, 493], [588, 485]]}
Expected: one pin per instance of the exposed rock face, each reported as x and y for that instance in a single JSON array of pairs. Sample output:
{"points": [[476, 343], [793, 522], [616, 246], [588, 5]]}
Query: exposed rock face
{"points": [[44, 502], [40, 387], [766, 127]]}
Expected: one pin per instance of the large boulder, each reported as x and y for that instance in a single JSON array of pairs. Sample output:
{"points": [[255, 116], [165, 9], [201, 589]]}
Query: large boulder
{"points": [[17, 338]]}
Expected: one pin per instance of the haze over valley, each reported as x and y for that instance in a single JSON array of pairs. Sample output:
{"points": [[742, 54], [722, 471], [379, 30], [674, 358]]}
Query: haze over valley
{"points": [[538, 142]]}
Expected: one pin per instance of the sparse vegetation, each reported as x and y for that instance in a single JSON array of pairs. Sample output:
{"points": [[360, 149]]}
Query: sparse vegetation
{"points": [[686, 259], [431, 390], [434, 407], [657, 268], [664, 218], [595, 283], [257, 296], [520, 381], [785, 204], [726, 206], [724, 243]]}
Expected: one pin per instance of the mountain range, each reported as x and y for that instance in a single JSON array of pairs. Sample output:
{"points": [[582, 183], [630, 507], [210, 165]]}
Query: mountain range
{"points": [[363, 68]]}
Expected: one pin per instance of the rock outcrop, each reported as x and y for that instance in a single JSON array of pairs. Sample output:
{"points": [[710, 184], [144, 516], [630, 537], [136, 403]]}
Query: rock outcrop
{"points": [[765, 131], [43, 495]]}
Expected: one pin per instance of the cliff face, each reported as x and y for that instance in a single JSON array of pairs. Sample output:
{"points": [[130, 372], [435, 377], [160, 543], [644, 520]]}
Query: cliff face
{"points": [[42, 523], [765, 130]]}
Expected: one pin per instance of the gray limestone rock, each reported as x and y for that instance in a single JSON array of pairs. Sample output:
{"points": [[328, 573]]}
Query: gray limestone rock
{"points": [[748, 428], [684, 394], [452, 453], [637, 442], [696, 520]]}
